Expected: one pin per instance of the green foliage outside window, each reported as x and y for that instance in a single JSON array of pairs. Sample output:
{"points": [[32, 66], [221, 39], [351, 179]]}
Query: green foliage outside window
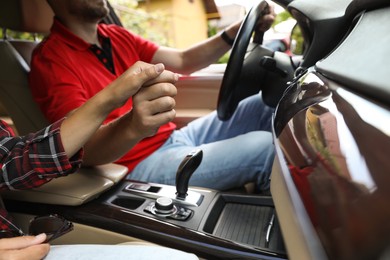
{"points": [[297, 47], [20, 35], [150, 25], [281, 17]]}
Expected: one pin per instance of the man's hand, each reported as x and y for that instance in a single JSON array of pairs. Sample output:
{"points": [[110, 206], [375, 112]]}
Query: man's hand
{"points": [[266, 21], [263, 24], [26, 247], [138, 75], [153, 105]]}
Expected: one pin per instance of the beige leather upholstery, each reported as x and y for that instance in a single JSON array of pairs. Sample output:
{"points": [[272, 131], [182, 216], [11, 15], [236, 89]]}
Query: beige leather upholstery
{"points": [[74, 189], [15, 93], [82, 234], [15, 96], [34, 16]]}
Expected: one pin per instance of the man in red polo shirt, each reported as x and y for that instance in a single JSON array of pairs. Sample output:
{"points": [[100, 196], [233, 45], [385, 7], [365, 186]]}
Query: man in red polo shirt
{"points": [[80, 57]]}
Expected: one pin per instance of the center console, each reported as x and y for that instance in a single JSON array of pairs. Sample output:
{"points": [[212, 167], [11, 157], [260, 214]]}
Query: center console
{"points": [[208, 223], [242, 224], [212, 225]]}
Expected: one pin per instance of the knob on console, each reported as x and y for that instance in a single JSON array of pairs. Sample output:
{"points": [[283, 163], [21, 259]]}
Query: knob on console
{"points": [[164, 205]]}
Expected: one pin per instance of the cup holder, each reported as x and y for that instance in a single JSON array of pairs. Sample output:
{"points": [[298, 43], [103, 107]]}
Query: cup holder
{"points": [[128, 203]]}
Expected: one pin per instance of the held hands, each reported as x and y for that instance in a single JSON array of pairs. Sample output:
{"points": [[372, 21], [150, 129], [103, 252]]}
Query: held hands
{"points": [[26, 247], [152, 90], [131, 81], [153, 104]]}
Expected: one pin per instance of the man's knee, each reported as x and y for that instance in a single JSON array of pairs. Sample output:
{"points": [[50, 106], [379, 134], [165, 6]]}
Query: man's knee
{"points": [[259, 140]]}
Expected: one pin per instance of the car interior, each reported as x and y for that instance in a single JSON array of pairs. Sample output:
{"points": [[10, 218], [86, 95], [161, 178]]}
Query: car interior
{"points": [[329, 197]]}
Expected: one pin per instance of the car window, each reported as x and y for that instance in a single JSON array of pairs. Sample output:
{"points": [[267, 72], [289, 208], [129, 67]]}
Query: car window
{"points": [[165, 24]]}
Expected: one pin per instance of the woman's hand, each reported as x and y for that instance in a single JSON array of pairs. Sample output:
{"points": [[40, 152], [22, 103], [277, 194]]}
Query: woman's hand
{"points": [[25, 247]]}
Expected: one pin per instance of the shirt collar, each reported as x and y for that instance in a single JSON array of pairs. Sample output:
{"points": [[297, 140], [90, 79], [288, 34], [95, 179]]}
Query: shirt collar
{"points": [[70, 38]]}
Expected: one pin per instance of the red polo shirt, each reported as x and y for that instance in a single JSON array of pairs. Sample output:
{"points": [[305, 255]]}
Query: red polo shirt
{"points": [[65, 73]]}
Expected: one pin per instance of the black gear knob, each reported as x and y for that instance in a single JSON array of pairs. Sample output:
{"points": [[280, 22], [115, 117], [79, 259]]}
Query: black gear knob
{"points": [[187, 167]]}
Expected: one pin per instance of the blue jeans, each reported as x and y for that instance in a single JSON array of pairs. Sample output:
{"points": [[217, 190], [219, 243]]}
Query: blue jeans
{"points": [[235, 152]]}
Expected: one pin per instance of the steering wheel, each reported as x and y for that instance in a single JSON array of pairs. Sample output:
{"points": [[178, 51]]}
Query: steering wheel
{"points": [[230, 94]]}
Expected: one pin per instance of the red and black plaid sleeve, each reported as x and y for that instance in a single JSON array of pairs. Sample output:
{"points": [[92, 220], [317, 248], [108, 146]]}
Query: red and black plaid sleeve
{"points": [[29, 161], [32, 160]]}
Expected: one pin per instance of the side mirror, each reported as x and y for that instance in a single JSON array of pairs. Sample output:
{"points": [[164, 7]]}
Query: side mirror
{"points": [[297, 46]]}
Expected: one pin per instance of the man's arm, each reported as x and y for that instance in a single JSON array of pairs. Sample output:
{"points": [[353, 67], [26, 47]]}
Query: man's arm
{"points": [[197, 56], [206, 52]]}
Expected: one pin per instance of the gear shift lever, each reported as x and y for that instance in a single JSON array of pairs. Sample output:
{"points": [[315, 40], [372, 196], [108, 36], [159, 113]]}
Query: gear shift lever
{"points": [[187, 167]]}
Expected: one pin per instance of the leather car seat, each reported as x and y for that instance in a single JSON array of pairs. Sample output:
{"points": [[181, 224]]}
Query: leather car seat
{"points": [[35, 16], [32, 16]]}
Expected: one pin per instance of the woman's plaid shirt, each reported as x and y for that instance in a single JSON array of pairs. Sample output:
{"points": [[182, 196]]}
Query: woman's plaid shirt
{"points": [[30, 161]]}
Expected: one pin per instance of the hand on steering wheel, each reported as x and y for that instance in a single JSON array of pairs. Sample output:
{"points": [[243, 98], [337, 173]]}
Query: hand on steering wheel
{"points": [[230, 94], [264, 24]]}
